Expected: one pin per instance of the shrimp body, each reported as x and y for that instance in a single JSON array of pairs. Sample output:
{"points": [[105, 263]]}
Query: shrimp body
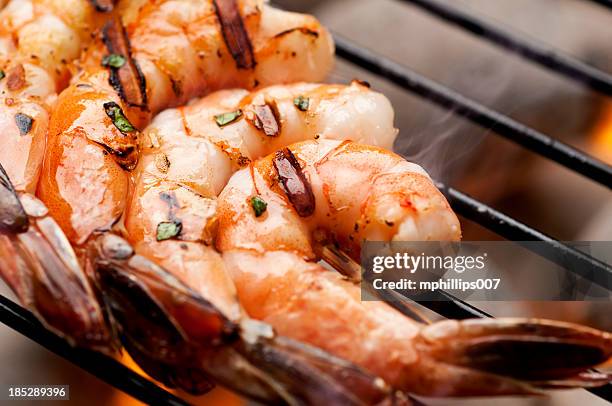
{"points": [[46, 34], [361, 193], [181, 49], [40, 266], [188, 158], [38, 41]]}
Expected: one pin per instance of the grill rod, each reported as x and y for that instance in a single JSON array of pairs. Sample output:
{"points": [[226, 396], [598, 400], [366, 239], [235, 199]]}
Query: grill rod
{"points": [[605, 3], [547, 57], [477, 113], [97, 364], [579, 263]]}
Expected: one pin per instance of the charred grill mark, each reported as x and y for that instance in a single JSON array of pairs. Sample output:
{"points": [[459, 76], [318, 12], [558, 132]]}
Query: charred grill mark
{"points": [[126, 156], [177, 88], [360, 82], [294, 182], [24, 123], [127, 80], [303, 30], [103, 6], [266, 118], [234, 33], [16, 78], [13, 218]]}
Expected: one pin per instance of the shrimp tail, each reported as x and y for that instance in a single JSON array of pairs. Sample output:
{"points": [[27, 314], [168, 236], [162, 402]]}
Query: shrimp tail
{"points": [[184, 341], [42, 269], [513, 356], [307, 372]]}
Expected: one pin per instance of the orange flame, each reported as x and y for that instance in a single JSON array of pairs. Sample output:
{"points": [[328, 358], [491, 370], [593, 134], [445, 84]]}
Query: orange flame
{"points": [[601, 142], [217, 396]]}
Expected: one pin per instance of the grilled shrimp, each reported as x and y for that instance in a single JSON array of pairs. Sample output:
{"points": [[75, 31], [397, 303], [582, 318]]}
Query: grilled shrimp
{"points": [[317, 193], [41, 267], [183, 340], [188, 156], [193, 150], [38, 41], [170, 52]]}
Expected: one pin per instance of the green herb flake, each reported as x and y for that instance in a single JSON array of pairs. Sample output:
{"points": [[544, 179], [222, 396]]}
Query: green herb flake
{"points": [[259, 205], [167, 230], [113, 61], [119, 119], [302, 103], [2, 74], [227, 118], [24, 123]]}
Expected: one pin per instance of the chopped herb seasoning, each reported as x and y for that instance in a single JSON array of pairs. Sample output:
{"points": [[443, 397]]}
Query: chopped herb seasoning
{"points": [[113, 61], [167, 230], [2, 74], [259, 205], [24, 123], [119, 119], [227, 118], [302, 103]]}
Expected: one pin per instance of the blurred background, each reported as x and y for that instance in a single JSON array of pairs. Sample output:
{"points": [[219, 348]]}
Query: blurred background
{"points": [[493, 170]]}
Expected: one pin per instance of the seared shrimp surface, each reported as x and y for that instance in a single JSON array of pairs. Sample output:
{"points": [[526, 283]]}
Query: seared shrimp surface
{"points": [[325, 192], [38, 41], [189, 155], [171, 51]]}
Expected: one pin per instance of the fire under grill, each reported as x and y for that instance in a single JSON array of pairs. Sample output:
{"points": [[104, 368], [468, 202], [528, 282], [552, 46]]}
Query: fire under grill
{"points": [[600, 273]]}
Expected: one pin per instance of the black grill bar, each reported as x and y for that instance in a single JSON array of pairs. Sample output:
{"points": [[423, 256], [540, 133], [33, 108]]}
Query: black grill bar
{"points": [[450, 307], [579, 263], [605, 3], [97, 364], [545, 56], [477, 113]]}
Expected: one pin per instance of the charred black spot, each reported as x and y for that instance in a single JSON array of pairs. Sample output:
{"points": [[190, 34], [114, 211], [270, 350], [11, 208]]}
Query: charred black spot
{"points": [[303, 30], [362, 83], [126, 157], [103, 6], [177, 88]]}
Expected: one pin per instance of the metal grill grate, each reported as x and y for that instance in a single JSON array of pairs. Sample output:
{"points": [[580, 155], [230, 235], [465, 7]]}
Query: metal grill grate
{"points": [[144, 390]]}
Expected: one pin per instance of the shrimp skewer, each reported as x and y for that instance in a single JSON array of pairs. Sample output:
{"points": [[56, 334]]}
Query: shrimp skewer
{"points": [[188, 157], [93, 138], [340, 192], [171, 51], [182, 339]]}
